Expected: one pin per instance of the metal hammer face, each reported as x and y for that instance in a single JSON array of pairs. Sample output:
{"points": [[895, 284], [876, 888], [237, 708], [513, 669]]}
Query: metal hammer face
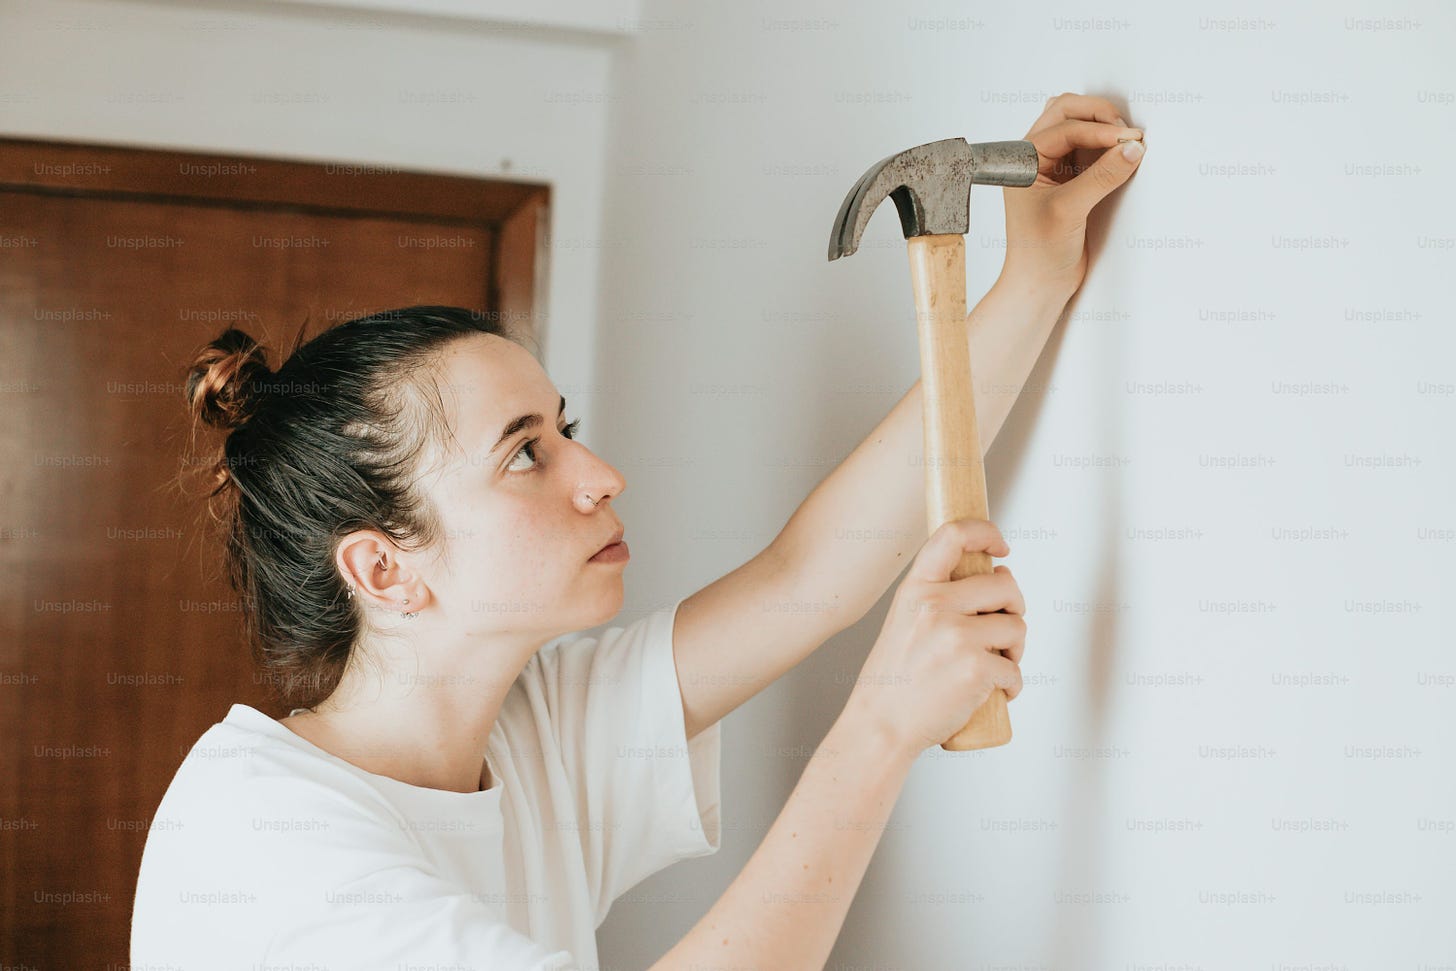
{"points": [[931, 186]]}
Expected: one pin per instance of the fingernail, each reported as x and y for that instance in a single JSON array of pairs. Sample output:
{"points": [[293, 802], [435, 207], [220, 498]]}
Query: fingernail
{"points": [[1132, 151]]}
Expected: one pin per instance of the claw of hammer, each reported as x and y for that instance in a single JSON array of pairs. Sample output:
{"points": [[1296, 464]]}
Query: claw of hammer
{"points": [[931, 187]]}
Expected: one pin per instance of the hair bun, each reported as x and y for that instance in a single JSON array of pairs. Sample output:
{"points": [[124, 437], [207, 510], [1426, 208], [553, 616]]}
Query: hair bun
{"points": [[227, 379]]}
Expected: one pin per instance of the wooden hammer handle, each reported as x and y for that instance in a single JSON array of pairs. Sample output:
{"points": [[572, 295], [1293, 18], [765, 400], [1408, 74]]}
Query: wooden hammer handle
{"points": [[955, 478]]}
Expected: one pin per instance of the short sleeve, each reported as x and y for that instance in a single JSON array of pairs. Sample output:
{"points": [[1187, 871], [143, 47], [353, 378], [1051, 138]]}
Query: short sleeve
{"points": [[646, 797], [359, 896]]}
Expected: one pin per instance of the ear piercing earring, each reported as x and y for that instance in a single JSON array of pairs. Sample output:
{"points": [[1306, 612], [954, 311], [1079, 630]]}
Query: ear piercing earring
{"points": [[406, 614]]}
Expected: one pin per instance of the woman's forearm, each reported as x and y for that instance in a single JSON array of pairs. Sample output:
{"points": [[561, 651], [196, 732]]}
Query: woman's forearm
{"points": [[785, 910], [861, 525]]}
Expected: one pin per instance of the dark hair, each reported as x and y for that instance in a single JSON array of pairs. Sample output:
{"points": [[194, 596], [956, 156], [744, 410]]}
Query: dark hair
{"points": [[326, 445]]}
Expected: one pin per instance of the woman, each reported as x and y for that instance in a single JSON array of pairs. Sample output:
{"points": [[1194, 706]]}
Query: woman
{"points": [[450, 787]]}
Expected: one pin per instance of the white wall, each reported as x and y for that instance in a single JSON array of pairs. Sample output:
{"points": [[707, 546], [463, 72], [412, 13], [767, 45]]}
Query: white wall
{"points": [[1189, 663]]}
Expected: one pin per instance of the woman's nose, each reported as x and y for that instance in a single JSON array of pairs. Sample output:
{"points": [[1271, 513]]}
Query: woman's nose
{"points": [[603, 481]]}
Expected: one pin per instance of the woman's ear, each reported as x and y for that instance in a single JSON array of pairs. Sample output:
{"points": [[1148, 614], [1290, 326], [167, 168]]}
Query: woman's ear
{"points": [[372, 566]]}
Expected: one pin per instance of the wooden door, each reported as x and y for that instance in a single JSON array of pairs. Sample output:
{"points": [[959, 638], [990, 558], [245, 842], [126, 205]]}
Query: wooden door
{"points": [[120, 642]]}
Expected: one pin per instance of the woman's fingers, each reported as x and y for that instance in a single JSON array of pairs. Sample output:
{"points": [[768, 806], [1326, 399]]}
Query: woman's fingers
{"points": [[981, 594], [1108, 170], [1064, 137], [1003, 633], [1068, 106], [1011, 639]]}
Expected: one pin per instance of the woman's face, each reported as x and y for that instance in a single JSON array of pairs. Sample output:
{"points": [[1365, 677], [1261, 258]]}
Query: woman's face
{"points": [[519, 526]]}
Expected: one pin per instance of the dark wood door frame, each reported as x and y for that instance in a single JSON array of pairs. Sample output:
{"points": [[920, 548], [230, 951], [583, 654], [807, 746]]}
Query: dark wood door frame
{"points": [[516, 213]]}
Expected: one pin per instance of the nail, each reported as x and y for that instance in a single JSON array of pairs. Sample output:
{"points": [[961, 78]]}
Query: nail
{"points": [[1132, 151]]}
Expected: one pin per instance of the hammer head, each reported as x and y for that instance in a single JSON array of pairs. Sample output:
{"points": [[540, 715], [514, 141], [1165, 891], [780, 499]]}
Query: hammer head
{"points": [[931, 186]]}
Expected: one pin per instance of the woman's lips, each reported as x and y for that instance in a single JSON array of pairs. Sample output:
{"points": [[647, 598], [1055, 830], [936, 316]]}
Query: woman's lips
{"points": [[616, 553]]}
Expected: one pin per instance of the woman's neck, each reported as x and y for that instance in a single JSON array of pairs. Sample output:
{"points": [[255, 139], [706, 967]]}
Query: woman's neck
{"points": [[431, 766]]}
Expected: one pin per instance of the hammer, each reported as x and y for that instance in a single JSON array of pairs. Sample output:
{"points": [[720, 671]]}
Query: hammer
{"points": [[931, 186]]}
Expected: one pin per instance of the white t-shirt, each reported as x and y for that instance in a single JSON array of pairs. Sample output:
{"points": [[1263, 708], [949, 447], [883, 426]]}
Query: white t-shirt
{"points": [[267, 851]]}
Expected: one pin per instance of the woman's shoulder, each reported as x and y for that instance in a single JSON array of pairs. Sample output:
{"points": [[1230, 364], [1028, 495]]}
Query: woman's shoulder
{"points": [[246, 810], [252, 825], [249, 768]]}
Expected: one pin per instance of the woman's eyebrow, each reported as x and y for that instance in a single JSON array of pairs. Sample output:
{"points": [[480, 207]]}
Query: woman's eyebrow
{"points": [[521, 424]]}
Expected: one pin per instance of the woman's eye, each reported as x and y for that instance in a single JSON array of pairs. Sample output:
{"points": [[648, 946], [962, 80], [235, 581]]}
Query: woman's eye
{"points": [[528, 448]]}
